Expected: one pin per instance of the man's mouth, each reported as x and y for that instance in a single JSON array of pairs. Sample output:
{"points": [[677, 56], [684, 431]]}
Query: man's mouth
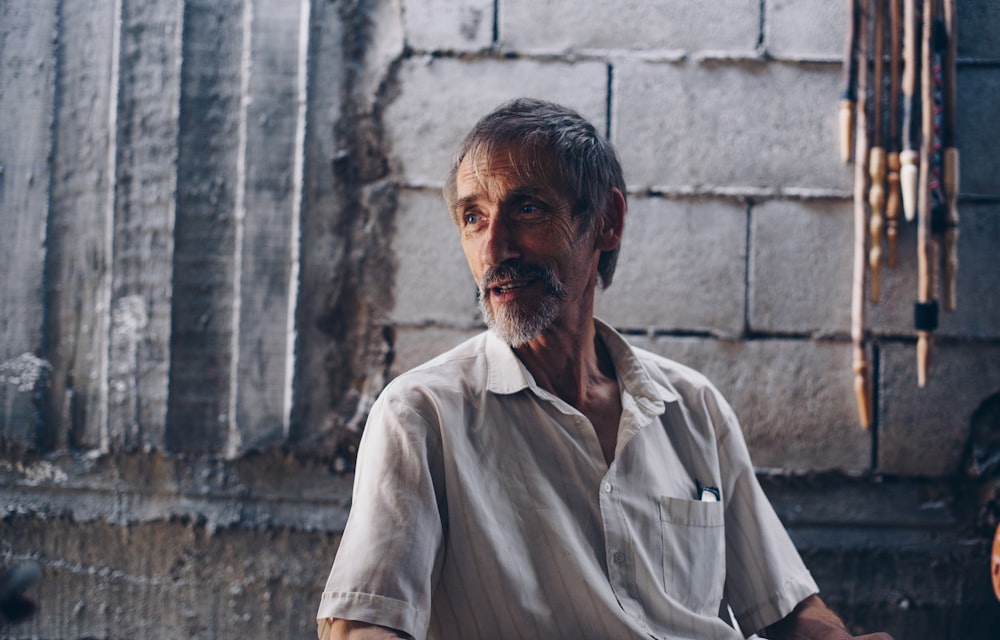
{"points": [[509, 281], [507, 287]]}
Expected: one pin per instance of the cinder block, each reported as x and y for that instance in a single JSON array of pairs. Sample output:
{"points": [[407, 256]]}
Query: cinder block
{"points": [[417, 345], [728, 125], [923, 432], [978, 126], [433, 281], [979, 29], [459, 25], [731, 25], [682, 267], [809, 29], [794, 398], [978, 312], [441, 99], [801, 266]]}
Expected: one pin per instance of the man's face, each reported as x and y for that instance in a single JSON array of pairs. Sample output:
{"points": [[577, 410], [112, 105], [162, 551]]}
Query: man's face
{"points": [[526, 251]]}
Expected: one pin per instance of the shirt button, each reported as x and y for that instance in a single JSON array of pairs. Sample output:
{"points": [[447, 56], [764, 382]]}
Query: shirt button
{"points": [[607, 487], [618, 557]]}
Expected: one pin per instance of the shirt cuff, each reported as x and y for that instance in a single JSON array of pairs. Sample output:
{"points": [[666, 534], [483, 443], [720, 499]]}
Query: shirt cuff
{"points": [[373, 609], [779, 605]]}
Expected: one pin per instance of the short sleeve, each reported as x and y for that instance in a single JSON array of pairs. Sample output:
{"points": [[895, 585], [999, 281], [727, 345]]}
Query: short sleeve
{"points": [[765, 576], [390, 554]]}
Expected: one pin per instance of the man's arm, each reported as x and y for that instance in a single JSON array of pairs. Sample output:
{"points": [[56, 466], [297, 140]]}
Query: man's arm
{"points": [[337, 629], [813, 620]]}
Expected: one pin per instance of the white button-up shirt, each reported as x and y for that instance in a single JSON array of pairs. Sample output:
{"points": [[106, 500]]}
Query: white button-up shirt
{"points": [[483, 508]]}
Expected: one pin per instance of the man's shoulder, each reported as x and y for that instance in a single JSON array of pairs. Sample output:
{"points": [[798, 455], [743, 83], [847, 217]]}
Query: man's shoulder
{"points": [[460, 368], [689, 386], [674, 378], [675, 374]]}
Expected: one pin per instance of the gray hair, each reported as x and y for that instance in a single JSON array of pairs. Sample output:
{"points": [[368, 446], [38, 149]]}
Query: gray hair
{"points": [[586, 164]]}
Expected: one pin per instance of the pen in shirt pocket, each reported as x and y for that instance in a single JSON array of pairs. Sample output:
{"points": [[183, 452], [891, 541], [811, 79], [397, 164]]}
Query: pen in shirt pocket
{"points": [[707, 494]]}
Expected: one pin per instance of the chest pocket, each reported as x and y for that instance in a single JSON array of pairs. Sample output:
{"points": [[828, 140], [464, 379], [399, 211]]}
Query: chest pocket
{"points": [[694, 552]]}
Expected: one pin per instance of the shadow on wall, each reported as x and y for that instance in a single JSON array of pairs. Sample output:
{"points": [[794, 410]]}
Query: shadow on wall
{"points": [[979, 498], [16, 602], [15, 605]]}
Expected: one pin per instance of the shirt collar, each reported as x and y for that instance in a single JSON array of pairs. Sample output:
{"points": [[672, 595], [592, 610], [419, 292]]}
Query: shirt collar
{"points": [[506, 374], [632, 375]]}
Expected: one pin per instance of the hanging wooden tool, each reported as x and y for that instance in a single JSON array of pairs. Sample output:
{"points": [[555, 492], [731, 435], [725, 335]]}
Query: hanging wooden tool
{"points": [[893, 203], [861, 386], [848, 99], [951, 171], [925, 310], [908, 158], [876, 159]]}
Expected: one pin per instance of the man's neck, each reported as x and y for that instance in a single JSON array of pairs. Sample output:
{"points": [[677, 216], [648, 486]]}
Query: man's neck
{"points": [[569, 360], [576, 366]]}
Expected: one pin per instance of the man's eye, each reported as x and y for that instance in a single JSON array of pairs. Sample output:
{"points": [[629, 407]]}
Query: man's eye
{"points": [[530, 208], [470, 217]]}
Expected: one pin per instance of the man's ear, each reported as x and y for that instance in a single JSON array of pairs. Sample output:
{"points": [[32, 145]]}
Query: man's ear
{"points": [[612, 222]]}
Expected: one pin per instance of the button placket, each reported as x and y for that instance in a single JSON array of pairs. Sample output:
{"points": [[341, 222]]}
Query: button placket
{"points": [[613, 536], [616, 540]]}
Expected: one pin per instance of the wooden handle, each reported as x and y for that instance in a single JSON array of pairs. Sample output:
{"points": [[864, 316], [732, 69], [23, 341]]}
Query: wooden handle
{"points": [[861, 388], [910, 59], [876, 202], [923, 357], [850, 70], [908, 183], [846, 130], [950, 277], [892, 209], [908, 173]]}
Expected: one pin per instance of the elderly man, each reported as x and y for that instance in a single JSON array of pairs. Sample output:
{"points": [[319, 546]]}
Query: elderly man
{"points": [[545, 479]]}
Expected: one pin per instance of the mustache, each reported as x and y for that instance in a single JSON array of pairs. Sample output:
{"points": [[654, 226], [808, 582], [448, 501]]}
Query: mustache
{"points": [[516, 270]]}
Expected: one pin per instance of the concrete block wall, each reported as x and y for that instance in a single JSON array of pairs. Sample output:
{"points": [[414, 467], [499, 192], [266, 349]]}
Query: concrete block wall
{"points": [[224, 233], [740, 233]]}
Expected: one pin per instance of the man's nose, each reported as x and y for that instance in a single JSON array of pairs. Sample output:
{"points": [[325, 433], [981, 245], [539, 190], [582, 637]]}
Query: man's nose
{"points": [[500, 244]]}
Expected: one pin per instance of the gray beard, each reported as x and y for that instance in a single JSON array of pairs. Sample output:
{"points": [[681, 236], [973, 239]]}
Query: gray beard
{"points": [[512, 322]]}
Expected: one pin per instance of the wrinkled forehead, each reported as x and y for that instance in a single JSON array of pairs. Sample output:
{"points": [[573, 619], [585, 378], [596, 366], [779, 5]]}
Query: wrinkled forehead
{"points": [[490, 169]]}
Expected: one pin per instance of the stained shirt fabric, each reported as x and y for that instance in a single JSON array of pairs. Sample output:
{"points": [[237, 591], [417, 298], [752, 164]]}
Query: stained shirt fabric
{"points": [[483, 508]]}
